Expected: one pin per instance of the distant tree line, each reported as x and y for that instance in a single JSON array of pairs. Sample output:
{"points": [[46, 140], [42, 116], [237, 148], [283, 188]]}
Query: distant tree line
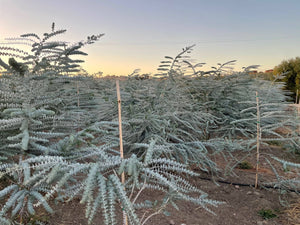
{"points": [[292, 69]]}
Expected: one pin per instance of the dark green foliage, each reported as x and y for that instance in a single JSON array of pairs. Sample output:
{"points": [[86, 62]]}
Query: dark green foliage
{"points": [[291, 68], [18, 67], [267, 213], [245, 165]]}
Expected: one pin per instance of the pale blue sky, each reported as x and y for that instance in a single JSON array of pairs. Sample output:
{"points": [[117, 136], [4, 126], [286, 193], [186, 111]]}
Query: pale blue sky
{"points": [[139, 33]]}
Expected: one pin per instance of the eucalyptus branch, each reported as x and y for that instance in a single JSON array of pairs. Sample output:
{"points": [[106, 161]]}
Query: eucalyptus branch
{"points": [[157, 212]]}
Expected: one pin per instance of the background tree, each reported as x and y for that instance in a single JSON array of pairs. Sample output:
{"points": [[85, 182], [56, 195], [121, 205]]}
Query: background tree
{"points": [[292, 68]]}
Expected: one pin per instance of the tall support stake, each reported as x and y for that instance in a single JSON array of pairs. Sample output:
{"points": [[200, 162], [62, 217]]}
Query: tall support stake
{"points": [[297, 102], [78, 106], [125, 220], [257, 140]]}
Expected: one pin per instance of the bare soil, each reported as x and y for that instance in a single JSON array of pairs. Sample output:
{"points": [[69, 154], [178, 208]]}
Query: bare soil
{"points": [[242, 202]]}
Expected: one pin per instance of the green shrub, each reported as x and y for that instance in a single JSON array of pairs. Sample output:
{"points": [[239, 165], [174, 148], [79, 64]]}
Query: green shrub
{"points": [[267, 213], [245, 165]]}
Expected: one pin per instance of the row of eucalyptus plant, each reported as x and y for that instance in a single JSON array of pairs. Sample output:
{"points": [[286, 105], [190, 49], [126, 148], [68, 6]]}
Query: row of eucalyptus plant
{"points": [[59, 130], [59, 138]]}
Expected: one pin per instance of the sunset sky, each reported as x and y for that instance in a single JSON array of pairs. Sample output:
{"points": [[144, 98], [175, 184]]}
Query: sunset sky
{"points": [[139, 33]]}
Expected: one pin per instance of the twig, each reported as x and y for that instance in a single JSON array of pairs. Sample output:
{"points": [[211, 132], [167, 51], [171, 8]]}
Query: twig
{"points": [[140, 191], [125, 220], [155, 213], [130, 196], [144, 214]]}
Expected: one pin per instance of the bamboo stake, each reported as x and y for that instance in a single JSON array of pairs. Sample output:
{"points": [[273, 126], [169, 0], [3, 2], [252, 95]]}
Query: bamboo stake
{"points": [[297, 108], [257, 140], [78, 105], [297, 101], [125, 220]]}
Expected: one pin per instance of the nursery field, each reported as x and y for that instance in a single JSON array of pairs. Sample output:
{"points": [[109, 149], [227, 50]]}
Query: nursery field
{"points": [[184, 146], [205, 154]]}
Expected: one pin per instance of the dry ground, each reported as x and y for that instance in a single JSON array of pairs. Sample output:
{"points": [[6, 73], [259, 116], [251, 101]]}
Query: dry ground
{"points": [[242, 202]]}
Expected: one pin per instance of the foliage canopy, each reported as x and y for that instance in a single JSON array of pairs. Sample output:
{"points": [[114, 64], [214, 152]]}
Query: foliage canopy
{"points": [[292, 69]]}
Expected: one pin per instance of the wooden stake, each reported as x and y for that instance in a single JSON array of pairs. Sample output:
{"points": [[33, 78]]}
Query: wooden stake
{"points": [[125, 220], [257, 140], [298, 109], [78, 105]]}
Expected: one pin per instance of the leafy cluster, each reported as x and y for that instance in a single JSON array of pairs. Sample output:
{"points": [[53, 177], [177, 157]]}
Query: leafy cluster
{"points": [[292, 69], [46, 56]]}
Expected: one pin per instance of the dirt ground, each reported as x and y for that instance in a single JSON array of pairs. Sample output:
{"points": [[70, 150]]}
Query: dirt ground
{"points": [[242, 203], [241, 207]]}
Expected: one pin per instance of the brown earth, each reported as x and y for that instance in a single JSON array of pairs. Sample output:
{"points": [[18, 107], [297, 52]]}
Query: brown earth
{"points": [[242, 202]]}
